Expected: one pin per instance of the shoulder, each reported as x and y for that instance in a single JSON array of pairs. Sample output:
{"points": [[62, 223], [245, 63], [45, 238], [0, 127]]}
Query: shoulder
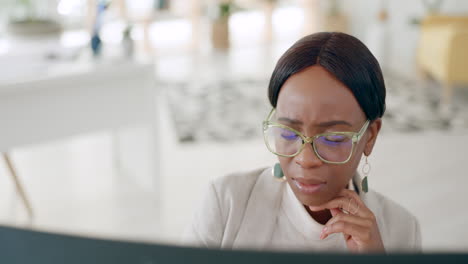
{"points": [[388, 206], [250, 189], [399, 227], [238, 184], [219, 215]]}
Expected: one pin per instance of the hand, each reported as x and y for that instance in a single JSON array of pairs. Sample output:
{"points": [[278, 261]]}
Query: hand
{"points": [[351, 217]]}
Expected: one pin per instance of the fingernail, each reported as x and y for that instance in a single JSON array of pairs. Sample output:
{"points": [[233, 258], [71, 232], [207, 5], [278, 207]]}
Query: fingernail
{"points": [[322, 234]]}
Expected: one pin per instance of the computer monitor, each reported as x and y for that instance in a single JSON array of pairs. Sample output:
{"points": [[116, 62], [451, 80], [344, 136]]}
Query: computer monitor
{"points": [[28, 246]]}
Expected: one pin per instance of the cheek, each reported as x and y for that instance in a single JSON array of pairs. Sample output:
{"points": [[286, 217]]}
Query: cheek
{"points": [[338, 176], [344, 173], [341, 174]]}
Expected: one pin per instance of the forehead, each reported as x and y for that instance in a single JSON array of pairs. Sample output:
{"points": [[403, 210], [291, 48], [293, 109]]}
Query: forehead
{"points": [[314, 95]]}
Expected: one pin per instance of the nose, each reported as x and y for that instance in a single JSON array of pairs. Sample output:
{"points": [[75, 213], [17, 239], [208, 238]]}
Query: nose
{"points": [[308, 158]]}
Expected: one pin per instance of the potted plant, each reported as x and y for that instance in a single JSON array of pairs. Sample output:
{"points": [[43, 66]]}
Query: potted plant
{"points": [[312, 16], [335, 19], [220, 24], [26, 22], [269, 7], [431, 8]]}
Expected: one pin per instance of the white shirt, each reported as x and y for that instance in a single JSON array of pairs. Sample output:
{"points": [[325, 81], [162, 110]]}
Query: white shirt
{"points": [[297, 230], [253, 210]]}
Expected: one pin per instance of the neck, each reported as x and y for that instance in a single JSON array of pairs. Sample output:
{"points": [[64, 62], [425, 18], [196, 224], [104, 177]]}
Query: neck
{"points": [[321, 217]]}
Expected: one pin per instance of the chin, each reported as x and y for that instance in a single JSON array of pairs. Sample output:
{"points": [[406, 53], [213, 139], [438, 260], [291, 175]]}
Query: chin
{"points": [[312, 201], [310, 196]]}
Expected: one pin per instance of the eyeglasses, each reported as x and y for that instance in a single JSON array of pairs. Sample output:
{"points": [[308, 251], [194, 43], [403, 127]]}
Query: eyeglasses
{"points": [[332, 147]]}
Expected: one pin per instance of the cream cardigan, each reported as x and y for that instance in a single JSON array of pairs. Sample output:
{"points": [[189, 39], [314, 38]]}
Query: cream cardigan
{"points": [[254, 211]]}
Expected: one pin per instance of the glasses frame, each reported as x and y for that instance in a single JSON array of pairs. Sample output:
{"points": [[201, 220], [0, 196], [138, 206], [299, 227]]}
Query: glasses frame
{"points": [[355, 137]]}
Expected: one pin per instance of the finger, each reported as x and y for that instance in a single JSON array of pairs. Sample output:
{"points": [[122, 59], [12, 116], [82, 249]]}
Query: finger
{"points": [[335, 211], [344, 203], [337, 202], [346, 237], [350, 202], [352, 219], [357, 232], [352, 194], [357, 202]]}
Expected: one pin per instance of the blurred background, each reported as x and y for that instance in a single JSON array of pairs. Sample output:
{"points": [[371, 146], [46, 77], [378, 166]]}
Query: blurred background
{"points": [[115, 114]]}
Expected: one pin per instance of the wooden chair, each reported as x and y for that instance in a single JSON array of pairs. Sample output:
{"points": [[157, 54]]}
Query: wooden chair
{"points": [[18, 185], [443, 52]]}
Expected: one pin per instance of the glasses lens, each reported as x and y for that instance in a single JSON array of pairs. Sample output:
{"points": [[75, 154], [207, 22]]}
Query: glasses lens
{"points": [[334, 148], [282, 140]]}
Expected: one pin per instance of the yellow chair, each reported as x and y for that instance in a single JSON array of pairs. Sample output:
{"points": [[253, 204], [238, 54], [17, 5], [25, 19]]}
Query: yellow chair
{"points": [[443, 51]]}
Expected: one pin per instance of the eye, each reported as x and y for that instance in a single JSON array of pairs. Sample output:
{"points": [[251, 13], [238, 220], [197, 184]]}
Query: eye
{"points": [[288, 134], [335, 138]]}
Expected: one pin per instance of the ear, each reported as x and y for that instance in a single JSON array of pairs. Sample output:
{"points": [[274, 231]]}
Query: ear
{"points": [[373, 131]]}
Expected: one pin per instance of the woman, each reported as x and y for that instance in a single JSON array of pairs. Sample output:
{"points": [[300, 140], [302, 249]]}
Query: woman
{"points": [[328, 96]]}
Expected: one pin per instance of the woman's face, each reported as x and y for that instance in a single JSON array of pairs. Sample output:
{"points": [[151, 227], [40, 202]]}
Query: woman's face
{"points": [[313, 101]]}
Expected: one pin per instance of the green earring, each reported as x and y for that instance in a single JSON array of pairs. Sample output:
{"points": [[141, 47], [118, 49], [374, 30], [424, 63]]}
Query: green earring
{"points": [[365, 172], [278, 172]]}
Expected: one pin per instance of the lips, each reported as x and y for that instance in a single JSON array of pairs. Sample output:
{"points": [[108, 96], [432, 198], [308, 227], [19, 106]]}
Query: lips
{"points": [[308, 186]]}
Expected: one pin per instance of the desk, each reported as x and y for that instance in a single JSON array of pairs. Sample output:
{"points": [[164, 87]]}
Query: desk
{"points": [[95, 97]]}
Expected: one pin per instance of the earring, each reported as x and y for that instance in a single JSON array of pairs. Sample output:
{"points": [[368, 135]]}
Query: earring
{"points": [[365, 172], [278, 172]]}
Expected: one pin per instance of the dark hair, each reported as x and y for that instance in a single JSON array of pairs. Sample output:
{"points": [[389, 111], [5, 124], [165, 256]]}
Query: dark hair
{"points": [[345, 57]]}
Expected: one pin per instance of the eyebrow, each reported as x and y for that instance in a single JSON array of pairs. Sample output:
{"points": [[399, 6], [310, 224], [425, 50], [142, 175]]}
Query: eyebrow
{"points": [[323, 124]]}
